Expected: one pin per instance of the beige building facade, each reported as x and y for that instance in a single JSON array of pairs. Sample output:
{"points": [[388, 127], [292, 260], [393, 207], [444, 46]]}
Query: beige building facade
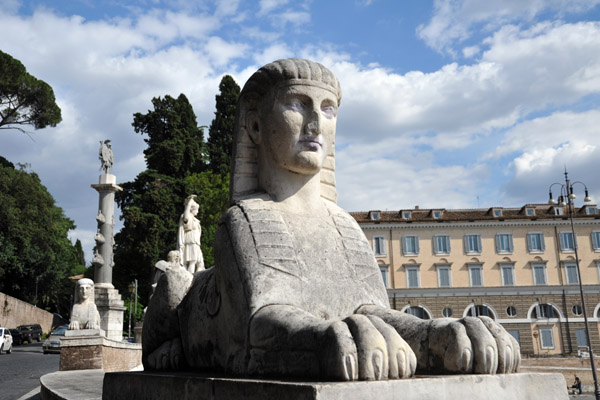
{"points": [[516, 265]]}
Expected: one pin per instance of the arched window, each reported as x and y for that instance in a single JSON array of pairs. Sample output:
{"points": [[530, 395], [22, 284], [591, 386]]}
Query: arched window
{"points": [[417, 311], [544, 311], [480, 310]]}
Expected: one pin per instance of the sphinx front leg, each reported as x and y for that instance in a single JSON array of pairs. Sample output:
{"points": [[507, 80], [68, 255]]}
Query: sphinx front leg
{"points": [[288, 341], [448, 345]]}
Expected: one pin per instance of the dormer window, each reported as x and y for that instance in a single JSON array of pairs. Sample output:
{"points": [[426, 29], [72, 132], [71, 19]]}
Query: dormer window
{"points": [[591, 210], [436, 214], [406, 214], [530, 212], [497, 212], [559, 211], [375, 215]]}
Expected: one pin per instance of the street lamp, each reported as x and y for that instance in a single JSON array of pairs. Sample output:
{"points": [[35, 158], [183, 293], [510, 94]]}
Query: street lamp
{"points": [[133, 287], [566, 193]]}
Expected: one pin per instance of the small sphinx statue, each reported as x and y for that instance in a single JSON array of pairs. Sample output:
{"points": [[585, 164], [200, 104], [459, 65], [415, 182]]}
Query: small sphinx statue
{"points": [[84, 315], [296, 290]]}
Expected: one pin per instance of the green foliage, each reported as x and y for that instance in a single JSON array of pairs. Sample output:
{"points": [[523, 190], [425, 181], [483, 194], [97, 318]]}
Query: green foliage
{"points": [[221, 128], [175, 142], [24, 99], [79, 254], [136, 314], [36, 255]]}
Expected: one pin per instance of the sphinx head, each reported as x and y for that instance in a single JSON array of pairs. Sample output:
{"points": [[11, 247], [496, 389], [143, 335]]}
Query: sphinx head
{"points": [[85, 291], [287, 111]]}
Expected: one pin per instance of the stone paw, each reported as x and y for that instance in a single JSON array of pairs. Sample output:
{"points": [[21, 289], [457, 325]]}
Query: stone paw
{"points": [[471, 345], [366, 348], [168, 356]]}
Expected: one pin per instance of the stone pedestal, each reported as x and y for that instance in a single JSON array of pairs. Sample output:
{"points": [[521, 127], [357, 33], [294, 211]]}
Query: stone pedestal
{"points": [[154, 385], [88, 349], [111, 309]]}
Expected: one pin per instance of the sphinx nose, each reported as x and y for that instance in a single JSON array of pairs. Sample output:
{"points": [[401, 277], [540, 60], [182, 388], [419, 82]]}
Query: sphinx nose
{"points": [[313, 126]]}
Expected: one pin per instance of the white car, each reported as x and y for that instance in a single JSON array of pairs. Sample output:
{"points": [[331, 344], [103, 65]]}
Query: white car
{"points": [[6, 341]]}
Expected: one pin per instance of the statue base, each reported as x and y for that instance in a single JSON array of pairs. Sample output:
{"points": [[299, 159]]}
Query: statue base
{"points": [[81, 349], [110, 306], [172, 385]]}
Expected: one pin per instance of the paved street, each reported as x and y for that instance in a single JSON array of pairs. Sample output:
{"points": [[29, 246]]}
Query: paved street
{"points": [[20, 371]]}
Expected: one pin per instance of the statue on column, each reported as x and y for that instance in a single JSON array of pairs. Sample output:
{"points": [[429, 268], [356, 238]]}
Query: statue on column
{"points": [[84, 315], [106, 156], [296, 290], [188, 237]]}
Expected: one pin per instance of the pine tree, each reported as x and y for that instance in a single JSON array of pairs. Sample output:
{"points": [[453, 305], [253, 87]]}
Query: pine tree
{"points": [[221, 128]]}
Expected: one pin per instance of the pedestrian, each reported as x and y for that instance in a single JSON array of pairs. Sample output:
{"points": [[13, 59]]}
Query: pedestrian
{"points": [[576, 386]]}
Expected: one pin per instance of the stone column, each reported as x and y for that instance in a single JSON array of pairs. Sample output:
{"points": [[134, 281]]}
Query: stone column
{"points": [[108, 300]]}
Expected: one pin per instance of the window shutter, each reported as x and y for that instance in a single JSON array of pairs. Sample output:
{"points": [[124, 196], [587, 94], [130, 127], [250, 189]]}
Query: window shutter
{"points": [[416, 244], [530, 241], [542, 242], [562, 241], [479, 244], [510, 243]]}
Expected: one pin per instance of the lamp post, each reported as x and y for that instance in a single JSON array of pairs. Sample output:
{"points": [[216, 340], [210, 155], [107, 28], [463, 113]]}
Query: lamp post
{"points": [[566, 192]]}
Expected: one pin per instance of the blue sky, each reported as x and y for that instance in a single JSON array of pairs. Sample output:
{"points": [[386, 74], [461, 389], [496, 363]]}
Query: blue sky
{"points": [[446, 103]]}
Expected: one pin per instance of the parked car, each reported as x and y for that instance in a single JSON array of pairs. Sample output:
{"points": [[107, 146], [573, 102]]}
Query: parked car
{"points": [[31, 332], [17, 337], [5, 341], [52, 343]]}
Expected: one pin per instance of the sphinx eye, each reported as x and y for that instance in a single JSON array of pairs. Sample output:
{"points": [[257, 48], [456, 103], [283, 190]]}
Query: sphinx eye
{"points": [[329, 111], [296, 105]]}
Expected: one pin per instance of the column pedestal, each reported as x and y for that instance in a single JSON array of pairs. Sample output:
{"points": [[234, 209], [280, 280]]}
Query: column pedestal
{"points": [[111, 309]]}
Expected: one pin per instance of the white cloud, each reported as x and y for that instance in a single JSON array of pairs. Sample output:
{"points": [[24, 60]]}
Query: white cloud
{"points": [[454, 20], [266, 6]]}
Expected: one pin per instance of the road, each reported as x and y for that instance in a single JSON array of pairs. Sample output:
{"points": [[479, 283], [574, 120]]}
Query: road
{"points": [[21, 370]]}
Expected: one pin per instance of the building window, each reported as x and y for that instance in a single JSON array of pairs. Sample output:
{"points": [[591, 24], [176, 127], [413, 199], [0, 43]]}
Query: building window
{"points": [[406, 214], [385, 275], [577, 310], [515, 333], [581, 338], [379, 245], [547, 337], [444, 276], [591, 210], [511, 311], [479, 311], [567, 244], [530, 212], [410, 245], [375, 215], [504, 243], [535, 242], [412, 277], [437, 214], [476, 275], [596, 240], [558, 211], [508, 275], [417, 311], [543, 311], [571, 272], [539, 274], [497, 213], [447, 312], [441, 244], [473, 244]]}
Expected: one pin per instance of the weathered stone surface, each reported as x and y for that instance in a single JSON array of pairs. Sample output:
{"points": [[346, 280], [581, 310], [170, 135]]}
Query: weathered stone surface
{"points": [[84, 314], [128, 385], [296, 290], [97, 352]]}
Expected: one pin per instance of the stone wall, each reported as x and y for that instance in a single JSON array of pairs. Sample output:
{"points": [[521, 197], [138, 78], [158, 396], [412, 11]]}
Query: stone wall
{"points": [[94, 352], [14, 312]]}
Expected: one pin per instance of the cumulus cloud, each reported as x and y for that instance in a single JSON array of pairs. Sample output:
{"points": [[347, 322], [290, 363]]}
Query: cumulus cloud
{"points": [[454, 21]]}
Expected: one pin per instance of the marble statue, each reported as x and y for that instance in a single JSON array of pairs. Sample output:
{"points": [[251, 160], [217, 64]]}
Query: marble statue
{"points": [[84, 314], [188, 237], [106, 156], [296, 290]]}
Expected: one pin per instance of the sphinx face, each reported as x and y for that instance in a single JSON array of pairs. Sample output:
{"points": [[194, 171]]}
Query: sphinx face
{"points": [[298, 130], [85, 292]]}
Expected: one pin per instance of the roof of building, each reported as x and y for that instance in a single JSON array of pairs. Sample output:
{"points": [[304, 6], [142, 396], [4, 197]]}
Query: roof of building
{"points": [[539, 212]]}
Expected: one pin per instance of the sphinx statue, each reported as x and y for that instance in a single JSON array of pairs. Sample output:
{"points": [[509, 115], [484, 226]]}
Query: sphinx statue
{"points": [[84, 315], [296, 290]]}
